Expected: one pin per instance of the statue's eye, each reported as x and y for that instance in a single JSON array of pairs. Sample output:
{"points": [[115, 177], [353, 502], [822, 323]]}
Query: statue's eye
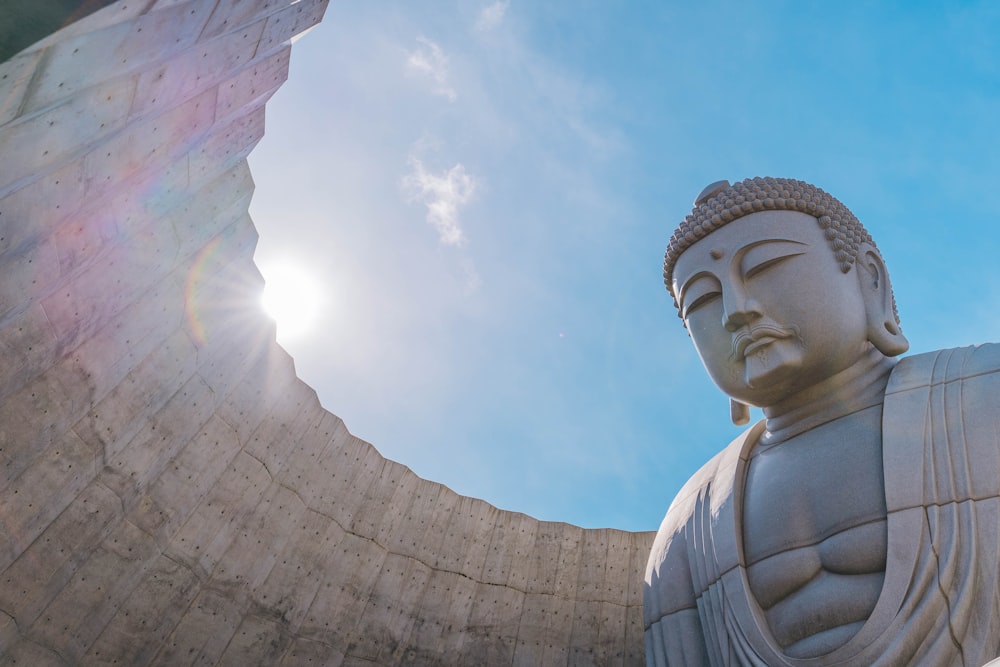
{"points": [[700, 301], [763, 266]]}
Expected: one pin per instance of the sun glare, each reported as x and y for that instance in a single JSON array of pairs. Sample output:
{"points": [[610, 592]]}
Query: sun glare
{"points": [[291, 298]]}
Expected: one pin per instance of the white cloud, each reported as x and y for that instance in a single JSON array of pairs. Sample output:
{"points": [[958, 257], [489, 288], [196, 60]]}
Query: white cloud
{"points": [[429, 60], [492, 15], [444, 194]]}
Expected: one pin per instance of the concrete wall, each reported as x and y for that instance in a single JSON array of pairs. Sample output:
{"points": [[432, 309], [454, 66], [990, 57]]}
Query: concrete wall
{"points": [[170, 492]]}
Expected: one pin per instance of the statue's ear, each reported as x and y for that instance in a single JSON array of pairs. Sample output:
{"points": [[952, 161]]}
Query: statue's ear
{"points": [[883, 330]]}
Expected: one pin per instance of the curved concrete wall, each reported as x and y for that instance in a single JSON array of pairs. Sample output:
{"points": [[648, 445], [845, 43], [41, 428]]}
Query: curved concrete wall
{"points": [[170, 492]]}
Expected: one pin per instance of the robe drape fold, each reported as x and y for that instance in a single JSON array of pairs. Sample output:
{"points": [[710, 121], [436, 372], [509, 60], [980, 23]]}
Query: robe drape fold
{"points": [[940, 601]]}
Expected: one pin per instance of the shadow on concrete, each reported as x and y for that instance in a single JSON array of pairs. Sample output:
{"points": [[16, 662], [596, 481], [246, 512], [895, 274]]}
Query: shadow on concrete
{"points": [[24, 22]]}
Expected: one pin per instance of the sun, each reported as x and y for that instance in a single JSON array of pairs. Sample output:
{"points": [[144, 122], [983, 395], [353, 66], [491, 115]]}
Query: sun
{"points": [[292, 298]]}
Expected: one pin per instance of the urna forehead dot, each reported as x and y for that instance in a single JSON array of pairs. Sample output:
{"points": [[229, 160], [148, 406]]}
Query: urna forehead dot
{"points": [[710, 191]]}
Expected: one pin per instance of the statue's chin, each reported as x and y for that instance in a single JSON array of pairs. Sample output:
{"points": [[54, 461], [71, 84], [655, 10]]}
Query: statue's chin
{"points": [[770, 371]]}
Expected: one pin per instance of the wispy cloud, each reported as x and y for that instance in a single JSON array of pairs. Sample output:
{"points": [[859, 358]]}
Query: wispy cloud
{"points": [[430, 60], [492, 15], [444, 194]]}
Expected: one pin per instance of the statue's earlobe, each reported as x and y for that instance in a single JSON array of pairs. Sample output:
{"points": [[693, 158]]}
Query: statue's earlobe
{"points": [[883, 329], [739, 412]]}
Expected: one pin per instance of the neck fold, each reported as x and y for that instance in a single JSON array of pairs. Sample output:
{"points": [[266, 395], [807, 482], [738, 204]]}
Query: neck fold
{"points": [[860, 386]]}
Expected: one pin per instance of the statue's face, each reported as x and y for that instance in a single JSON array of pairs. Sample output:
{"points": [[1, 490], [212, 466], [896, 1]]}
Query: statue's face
{"points": [[768, 307]]}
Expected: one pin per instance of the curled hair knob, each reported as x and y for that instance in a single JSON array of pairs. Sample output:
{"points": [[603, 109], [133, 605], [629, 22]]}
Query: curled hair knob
{"points": [[710, 191]]}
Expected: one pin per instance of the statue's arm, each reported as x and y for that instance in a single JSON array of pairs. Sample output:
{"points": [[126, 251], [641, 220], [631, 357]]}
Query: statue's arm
{"points": [[674, 634]]}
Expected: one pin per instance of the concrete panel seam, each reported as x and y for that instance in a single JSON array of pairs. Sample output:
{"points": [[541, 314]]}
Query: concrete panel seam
{"points": [[43, 57], [133, 118], [128, 583], [389, 551], [90, 107], [212, 30], [7, 636], [98, 257], [62, 658]]}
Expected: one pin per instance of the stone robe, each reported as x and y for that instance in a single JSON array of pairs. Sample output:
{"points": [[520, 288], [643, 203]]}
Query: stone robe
{"points": [[940, 601]]}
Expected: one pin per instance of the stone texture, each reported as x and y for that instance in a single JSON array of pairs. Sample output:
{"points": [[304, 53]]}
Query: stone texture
{"points": [[171, 493], [857, 524]]}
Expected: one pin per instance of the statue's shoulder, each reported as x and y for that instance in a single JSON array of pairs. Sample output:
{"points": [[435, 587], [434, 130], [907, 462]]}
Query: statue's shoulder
{"points": [[713, 482], [706, 497], [948, 365], [708, 489], [672, 532]]}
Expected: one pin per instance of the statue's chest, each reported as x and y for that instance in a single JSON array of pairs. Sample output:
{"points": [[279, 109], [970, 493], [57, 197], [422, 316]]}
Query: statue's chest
{"points": [[804, 491], [815, 534]]}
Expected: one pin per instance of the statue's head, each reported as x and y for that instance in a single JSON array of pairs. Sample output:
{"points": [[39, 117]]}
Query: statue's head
{"points": [[780, 287]]}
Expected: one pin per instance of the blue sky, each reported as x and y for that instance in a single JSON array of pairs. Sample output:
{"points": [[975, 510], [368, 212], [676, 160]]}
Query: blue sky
{"points": [[483, 192]]}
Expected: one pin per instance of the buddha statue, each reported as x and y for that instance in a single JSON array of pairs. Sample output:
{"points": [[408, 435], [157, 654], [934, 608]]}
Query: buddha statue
{"points": [[858, 523]]}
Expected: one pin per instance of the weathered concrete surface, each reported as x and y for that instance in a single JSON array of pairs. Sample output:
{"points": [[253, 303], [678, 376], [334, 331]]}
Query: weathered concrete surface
{"points": [[170, 492]]}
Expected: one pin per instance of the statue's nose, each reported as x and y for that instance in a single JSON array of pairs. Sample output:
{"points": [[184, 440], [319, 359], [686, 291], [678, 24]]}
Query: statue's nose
{"points": [[738, 308]]}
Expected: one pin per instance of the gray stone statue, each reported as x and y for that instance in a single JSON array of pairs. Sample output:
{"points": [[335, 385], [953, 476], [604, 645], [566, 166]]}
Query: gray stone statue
{"points": [[859, 523]]}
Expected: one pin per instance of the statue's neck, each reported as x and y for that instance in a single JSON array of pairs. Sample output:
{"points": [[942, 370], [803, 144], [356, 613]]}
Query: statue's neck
{"points": [[860, 386]]}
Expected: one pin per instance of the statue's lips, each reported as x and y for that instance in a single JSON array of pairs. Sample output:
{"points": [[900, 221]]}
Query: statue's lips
{"points": [[757, 344], [750, 340]]}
